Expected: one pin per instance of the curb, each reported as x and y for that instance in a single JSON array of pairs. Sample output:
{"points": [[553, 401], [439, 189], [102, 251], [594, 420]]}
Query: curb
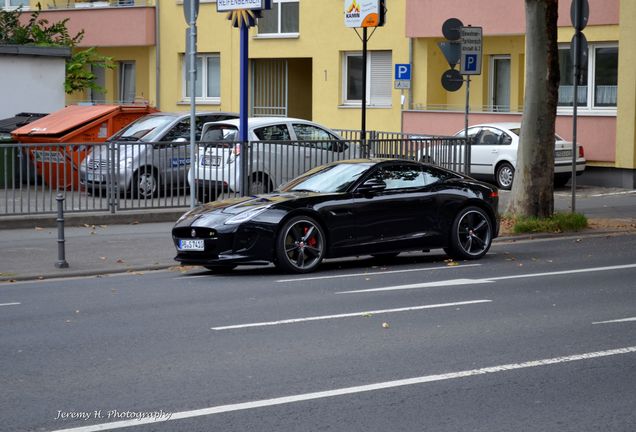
{"points": [[124, 217]]}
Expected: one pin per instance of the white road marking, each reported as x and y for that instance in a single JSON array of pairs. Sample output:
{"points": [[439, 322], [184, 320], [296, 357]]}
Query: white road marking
{"points": [[351, 390], [9, 304], [616, 321], [348, 315], [629, 192], [378, 273], [455, 282]]}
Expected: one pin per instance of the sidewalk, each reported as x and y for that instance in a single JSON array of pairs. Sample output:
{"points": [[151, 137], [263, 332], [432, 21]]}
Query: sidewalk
{"points": [[138, 241]]}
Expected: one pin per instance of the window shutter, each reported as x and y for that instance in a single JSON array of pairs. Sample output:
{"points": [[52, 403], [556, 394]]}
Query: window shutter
{"points": [[380, 88]]}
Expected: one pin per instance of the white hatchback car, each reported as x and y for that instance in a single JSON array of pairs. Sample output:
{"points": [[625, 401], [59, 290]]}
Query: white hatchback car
{"points": [[281, 148], [494, 154]]}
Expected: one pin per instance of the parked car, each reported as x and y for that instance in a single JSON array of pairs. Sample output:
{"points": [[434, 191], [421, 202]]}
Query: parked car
{"points": [[151, 154], [280, 149], [377, 207], [494, 154]]}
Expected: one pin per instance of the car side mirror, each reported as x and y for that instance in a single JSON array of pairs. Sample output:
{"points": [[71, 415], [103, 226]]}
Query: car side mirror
{"points": [[179, 140], [372, 185]]}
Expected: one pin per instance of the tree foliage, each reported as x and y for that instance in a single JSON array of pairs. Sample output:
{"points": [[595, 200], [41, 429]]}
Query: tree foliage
{"points": [[533, 188], [40, 32]]}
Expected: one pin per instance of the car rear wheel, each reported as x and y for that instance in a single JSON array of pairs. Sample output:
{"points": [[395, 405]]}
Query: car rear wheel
{"points": [[504, 175], [300, 245], [471, 234]]}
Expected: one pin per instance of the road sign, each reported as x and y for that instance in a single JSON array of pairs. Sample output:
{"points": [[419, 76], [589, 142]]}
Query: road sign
{"points": [[579, 13], [402, 84], [451, 51], [450, 29], [470, 58], [452, 80], [187, 7], [402, 71], [232, 5]]}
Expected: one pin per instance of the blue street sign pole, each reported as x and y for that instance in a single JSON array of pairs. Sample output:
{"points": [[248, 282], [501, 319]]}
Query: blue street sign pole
{"points": [[244, 106]]}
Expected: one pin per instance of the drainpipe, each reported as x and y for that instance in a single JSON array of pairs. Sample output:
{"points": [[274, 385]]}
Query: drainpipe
{"points": [[410, 92], [157, 56]]}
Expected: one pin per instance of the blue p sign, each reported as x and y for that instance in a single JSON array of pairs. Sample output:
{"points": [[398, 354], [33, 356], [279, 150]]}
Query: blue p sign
{"points": [[471, 63], [402, 71]]}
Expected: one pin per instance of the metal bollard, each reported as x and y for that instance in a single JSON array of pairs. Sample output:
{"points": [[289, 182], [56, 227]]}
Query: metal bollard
{"points": [[61, 260]]}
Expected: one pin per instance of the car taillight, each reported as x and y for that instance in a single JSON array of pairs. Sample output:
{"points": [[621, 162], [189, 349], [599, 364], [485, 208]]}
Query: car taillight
{"points": [[494, 194], [581, 152]]}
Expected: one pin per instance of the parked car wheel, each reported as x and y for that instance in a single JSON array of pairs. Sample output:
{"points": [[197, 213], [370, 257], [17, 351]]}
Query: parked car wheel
{"points": [[504, 175], [300, 246], [145, 184], [259, 184], [471, 234]]}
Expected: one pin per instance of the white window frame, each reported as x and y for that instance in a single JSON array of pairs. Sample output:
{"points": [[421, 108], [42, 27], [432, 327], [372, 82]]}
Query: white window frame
{"points": [[6, 5], [589, 107], [204, 79], [492, 84], [279, 33], [378, 102]]}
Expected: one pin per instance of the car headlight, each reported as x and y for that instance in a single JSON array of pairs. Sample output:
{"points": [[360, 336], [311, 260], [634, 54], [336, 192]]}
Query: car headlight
{"points": [[245, 216]]}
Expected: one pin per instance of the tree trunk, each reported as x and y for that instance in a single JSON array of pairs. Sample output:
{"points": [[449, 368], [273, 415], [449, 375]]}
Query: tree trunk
{"points": [[533, 187]]}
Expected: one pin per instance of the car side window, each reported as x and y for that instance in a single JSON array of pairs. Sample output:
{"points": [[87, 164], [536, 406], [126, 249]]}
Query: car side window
{"points": [[506, 139], [401, 176], [278, 132], [305, 132], [490, 136], [180, 130], [220, 133], [432, 175]]}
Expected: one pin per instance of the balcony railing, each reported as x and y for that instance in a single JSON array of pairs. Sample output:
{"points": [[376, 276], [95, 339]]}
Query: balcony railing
{"points": [[73, 4]]}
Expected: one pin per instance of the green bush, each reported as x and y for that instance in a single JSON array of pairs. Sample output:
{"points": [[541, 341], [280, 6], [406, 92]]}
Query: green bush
{"points": [[559, 222]]}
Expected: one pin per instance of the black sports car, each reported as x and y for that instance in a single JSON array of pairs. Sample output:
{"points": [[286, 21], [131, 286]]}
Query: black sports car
{"points": [[377, 207]]}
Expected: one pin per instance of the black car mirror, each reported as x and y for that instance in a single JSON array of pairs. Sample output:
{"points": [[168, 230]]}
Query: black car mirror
{"points": [[372, 185]]}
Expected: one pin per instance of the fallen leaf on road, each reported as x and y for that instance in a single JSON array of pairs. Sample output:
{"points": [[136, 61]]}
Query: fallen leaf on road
{"points": [[103, 258], [103, 226], [367, 315], [385, 325], [134, 223], [120, 261], [37, 228]]}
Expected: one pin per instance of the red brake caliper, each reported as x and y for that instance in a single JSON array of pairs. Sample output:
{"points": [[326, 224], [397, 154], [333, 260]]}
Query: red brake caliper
{"points": [[310, 241]]}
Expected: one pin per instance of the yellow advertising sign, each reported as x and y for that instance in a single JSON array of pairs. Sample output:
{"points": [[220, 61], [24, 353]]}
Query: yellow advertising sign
{"points": [[363, 13]]}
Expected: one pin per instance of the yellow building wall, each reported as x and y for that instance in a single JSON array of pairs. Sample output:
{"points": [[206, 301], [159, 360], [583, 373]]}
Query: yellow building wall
{"points": [[145, 76], [322, 37], [626, 118]]}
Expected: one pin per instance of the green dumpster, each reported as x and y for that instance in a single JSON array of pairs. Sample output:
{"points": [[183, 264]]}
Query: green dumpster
{"points": [[8, 163]]}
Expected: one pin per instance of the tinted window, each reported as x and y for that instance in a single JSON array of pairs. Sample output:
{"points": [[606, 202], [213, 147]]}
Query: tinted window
{"points": [[328, 178], [220, 133], [277, 132], [401, 176]]}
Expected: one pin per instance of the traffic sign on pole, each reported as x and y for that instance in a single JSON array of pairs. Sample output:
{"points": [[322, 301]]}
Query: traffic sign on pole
{"points": [[471, 50]]}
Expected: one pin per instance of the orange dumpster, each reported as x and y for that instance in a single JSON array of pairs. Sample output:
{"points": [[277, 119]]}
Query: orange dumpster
{"points": [[67, 131]]}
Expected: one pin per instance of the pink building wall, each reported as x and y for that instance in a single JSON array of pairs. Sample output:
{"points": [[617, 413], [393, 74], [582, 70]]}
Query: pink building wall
{"points": [[424, 18], [108, 27], [597, 134]]}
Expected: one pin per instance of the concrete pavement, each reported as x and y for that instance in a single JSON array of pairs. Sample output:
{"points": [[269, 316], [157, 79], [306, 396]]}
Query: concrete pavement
{"points": [[133, 241]]}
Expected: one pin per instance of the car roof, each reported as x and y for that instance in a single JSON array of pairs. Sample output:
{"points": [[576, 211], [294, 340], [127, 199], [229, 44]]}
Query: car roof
{"points": [[187, 114], [254, 122], [500, 125]]}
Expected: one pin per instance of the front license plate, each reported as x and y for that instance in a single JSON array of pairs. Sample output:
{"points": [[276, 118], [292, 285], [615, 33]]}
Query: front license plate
{"points": [[92, 177], [195, 245]]}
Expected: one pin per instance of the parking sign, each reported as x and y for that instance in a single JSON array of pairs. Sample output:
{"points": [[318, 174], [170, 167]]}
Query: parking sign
{"points": [[403, 71], [471, 43]]}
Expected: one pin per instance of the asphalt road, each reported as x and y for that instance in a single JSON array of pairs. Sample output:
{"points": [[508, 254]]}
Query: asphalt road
{"points": [[522, 340]]}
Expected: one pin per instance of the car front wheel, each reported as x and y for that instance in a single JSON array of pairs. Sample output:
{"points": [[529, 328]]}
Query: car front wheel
{"points": [[471, 234], [300, 245]]}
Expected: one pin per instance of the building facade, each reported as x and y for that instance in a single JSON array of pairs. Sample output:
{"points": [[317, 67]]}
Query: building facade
{"points": [[305, 63]]}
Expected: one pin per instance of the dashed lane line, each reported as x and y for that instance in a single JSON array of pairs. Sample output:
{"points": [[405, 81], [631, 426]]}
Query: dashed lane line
{"points": [[242, 406]]}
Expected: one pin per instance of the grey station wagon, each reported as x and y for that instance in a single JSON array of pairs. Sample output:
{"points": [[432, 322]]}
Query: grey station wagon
{"points": [[149, 156]]}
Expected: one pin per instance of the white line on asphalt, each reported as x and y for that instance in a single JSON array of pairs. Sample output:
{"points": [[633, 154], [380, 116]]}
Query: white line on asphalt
{"points": [[455, 282], [377, 273], [348, 315], [9, 304], [629, 192], [616, 321], [351, 390]]}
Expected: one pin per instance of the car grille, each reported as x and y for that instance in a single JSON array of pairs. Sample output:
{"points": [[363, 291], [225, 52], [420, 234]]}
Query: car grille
{"points": [[200, 232]]}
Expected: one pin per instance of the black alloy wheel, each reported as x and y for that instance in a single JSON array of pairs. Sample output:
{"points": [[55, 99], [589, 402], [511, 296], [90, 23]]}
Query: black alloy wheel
{"points": [[471, 234], [300, 246]]}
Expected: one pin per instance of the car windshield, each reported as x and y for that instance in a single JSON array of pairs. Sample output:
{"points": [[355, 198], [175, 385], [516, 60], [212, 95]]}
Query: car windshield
{"points": [[142, 129], [327, 178]]}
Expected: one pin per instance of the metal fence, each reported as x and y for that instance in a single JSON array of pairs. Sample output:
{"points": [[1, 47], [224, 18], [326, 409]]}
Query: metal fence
{"points": [[136, 175]]}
